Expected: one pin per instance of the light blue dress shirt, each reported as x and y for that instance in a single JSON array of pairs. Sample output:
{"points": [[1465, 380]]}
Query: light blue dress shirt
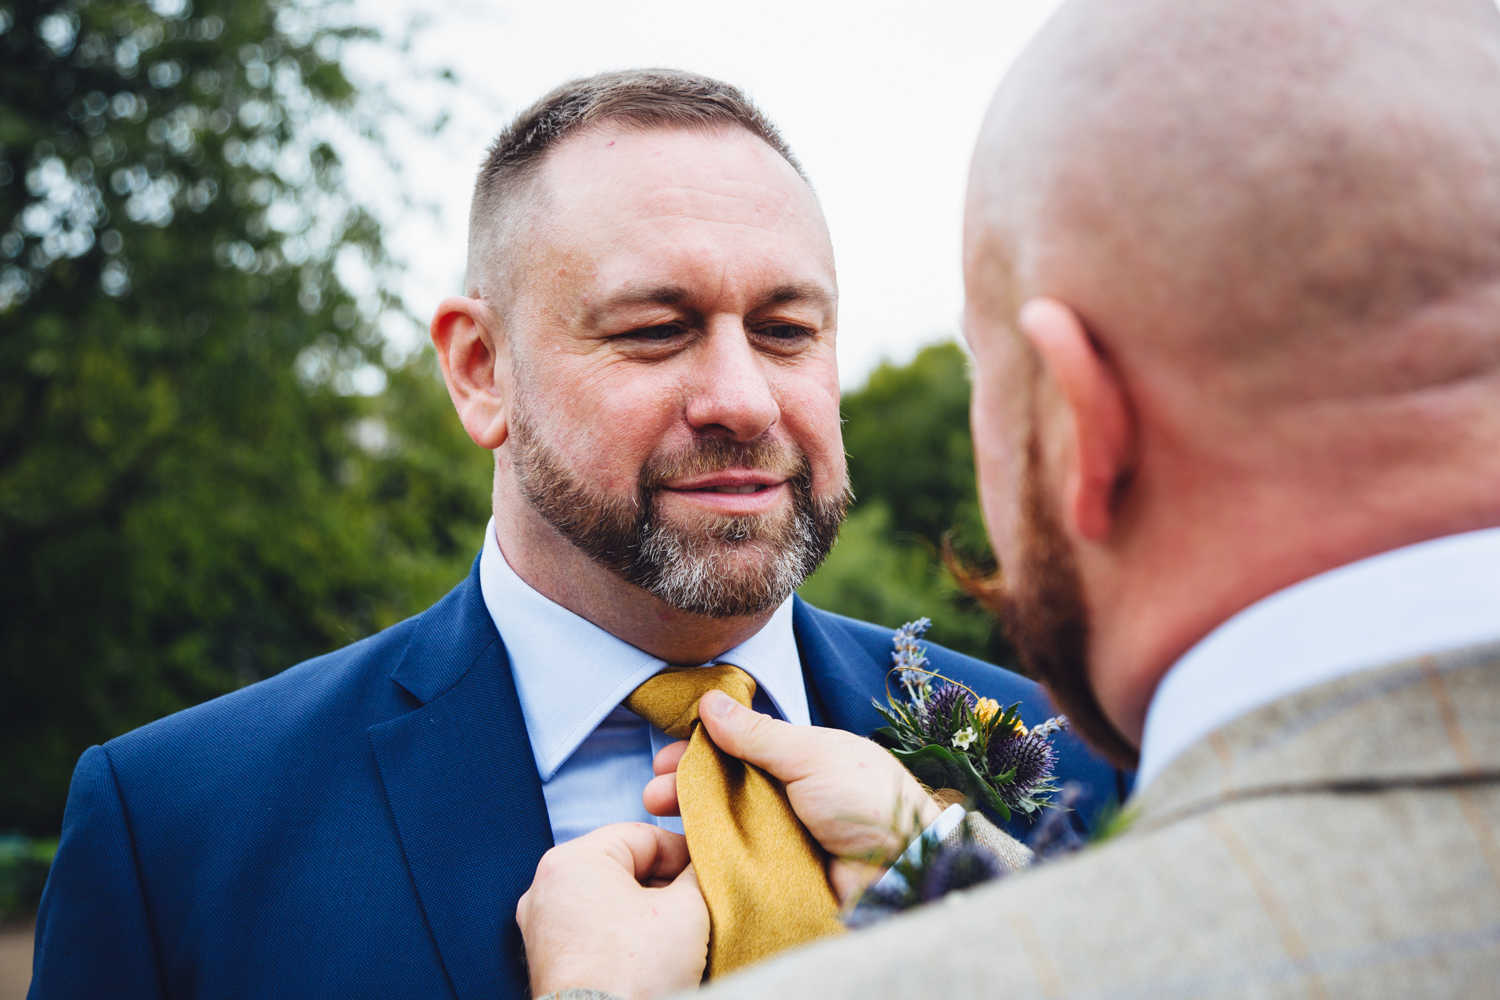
{"points": [[1426, 598], [593, 755]]}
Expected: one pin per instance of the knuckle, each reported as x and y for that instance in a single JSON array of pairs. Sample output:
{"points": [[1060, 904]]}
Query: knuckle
{"points": [[756, 725], [549, 867]]}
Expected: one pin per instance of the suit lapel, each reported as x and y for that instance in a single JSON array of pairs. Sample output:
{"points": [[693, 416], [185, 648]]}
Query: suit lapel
{"points": [[839, 677], [461, 780]]}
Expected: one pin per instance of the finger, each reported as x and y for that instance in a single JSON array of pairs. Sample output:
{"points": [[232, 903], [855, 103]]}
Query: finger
{"points": [[687, 881], [789, 752], [523, 908], [671, 855], [660, 796], [848, 878], [685, 887], [641, 849], [685, 898], [666, 761], [671, 863]]}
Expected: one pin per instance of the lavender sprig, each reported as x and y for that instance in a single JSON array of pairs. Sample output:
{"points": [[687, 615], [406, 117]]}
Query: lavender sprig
{"points": [[910, 660]]}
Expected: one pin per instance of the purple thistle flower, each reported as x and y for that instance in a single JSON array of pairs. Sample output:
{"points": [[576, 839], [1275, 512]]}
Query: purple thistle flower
{"points": [[933, 714], [1033, 757]]}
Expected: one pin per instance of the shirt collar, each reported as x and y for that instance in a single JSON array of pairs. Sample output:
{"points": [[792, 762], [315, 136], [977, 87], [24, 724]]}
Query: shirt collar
{"points": [[1421, 599], [570, 673]]}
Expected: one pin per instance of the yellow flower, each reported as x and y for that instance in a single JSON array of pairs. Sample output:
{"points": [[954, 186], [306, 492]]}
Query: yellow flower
{"points": [[1021, 729], [986, 709]]}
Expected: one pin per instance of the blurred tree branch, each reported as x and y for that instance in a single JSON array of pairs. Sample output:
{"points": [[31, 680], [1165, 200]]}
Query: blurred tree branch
{"points": [[213, 462]]}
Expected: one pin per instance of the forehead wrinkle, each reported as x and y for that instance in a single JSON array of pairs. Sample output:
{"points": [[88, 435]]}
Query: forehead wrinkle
{"points": [[568, 224], [761, 206]]}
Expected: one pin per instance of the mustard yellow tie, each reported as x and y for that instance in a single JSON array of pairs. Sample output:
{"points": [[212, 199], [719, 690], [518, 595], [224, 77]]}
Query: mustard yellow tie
{"points": [[762, 874]]}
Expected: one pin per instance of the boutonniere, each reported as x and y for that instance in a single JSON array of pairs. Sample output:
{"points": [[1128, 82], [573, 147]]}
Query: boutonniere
{"points": [[950, 737]]}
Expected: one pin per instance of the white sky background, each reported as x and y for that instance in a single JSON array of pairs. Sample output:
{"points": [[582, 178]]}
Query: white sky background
{"points": [[881, 102]]}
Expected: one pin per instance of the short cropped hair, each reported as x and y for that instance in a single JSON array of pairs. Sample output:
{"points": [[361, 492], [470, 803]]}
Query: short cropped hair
{"points": [[644, 98]]}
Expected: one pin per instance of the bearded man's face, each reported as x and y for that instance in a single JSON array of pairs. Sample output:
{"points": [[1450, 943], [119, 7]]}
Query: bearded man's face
{"points": [[674, 410]]}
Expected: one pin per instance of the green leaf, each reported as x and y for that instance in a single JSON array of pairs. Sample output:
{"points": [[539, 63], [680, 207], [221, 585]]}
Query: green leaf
{"points": [[939, 767]]}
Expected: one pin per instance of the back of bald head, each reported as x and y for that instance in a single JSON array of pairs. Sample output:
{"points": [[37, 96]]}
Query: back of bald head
{"points": [[1284, 199], [508, 195]]}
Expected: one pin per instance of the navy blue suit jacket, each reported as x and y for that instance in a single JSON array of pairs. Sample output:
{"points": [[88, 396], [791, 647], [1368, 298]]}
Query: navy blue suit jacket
{"points": [[362, 824]]}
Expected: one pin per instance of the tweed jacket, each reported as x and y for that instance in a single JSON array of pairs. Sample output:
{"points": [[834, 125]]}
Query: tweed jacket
{"points": [[1341, 842]]}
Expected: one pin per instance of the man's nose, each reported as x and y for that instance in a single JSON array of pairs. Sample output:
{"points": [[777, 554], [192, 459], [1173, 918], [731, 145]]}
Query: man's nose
{"points": [[733, 396]]}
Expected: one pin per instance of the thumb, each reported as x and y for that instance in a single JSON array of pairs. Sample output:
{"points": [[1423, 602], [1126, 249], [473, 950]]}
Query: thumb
{"points": [[684, 891], [685, 905], [686, 880], [786, 751]]}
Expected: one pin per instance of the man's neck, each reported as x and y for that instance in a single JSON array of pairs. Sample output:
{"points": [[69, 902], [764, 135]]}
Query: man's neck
{"points": [[559, 571], [1197, 573], [1418, 600]]}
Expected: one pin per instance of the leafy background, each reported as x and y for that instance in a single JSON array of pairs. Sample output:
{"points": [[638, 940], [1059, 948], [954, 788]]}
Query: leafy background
{"points": [[214, 460]]}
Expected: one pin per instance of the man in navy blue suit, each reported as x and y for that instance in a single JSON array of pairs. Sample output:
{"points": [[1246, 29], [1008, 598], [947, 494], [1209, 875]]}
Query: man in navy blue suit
{"points": [[647, 346]]}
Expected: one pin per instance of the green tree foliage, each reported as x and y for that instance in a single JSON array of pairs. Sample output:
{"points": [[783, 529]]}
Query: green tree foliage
{"points": [[911, 463], [212, 465]]}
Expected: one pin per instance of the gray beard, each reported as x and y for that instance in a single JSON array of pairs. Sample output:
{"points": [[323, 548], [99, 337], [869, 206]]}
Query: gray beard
{"points": [[701, 569]]}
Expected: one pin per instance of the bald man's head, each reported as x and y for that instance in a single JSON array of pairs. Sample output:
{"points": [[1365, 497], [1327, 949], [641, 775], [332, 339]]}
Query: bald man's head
{"points": [[1261, 243], [1257, 193]]}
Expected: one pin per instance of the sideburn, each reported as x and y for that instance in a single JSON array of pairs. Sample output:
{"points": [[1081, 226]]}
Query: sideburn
{"points": [[1045, 616]]}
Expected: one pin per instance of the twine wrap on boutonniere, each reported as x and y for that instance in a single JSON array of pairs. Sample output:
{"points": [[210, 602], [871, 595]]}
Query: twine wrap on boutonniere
{"points": [[962, 745]]}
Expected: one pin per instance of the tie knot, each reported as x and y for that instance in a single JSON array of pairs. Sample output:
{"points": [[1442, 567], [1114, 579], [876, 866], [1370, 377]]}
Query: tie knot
{"points": [[669, 701]]}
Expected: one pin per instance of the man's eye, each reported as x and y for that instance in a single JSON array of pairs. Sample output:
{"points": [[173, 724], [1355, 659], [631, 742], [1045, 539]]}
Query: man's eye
{"points": [[784, 331], [664, 332]]}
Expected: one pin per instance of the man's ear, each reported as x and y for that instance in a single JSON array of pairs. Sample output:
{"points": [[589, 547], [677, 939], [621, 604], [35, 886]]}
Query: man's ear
{"points": [[1098, 423], [467, 337]]}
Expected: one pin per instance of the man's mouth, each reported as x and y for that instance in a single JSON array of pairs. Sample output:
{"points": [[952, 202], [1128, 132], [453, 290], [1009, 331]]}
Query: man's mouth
{"points": [[734, 481], [735, 491], [745, 488]]}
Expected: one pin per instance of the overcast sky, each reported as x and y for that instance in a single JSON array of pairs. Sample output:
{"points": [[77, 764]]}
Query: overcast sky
{"points": [[881, 101]]}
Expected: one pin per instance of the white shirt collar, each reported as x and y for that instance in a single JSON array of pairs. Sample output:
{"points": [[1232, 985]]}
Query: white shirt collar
{"points": [[570, 673], [1421, 599]]}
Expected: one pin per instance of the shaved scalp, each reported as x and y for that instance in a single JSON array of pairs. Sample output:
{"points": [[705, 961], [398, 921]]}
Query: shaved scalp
{"points": [[1256, 202]]}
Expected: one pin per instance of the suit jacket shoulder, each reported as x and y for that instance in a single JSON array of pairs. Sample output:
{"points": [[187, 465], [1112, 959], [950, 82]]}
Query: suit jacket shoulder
{"points": [[359, 824], [261, 725]]}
